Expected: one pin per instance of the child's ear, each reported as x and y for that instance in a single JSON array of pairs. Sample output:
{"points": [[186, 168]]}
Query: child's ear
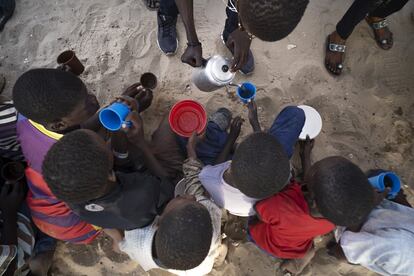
{"points": [[57, 126]]}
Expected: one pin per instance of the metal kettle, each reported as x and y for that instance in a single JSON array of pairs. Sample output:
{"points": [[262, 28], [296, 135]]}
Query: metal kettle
{"points": [[213, 75]]}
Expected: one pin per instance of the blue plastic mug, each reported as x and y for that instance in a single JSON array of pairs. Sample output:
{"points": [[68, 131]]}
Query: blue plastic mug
{"points": [[113, 116], [246, 92], [379, 181]]}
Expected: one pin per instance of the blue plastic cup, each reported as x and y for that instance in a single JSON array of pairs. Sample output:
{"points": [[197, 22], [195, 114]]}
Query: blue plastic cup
{"points": [[113, 116], [247, 92], [379, 181]]}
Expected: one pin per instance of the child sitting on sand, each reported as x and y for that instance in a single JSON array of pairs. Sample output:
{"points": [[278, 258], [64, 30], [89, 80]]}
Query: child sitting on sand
{"points": [[260, 165], [79, 169], [185, 238], [384, 242], [51, 103], [339, 194]]}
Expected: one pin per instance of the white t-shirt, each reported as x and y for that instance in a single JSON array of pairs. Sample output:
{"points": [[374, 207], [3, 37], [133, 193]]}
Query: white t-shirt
{"points": [[385, 243], [224, 195]]}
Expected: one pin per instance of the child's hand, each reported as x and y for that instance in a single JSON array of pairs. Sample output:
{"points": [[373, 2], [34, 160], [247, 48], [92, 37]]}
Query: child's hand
{"points": [[192, 144], [132, 90], [11, 196], [135, 130], [130, 102], [306, 146], [235, 128]]}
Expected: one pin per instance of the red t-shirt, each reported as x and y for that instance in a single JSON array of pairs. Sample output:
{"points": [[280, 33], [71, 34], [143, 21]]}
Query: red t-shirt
{"points": [[287, 229]]}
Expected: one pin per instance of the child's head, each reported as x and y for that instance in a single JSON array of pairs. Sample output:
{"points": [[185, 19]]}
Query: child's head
{"points": [[260, 166], [341, 191], [78, 168], [271, 20], [54, 98], [184, 234]]}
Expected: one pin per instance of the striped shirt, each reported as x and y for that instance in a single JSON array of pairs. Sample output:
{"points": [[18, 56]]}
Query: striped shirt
{"points": [[9, 146], [23, 251], [52, 216]]}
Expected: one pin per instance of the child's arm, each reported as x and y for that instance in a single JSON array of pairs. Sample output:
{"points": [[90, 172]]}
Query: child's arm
{"points": [[135, 135], [305, 154], [253, 117], [235, 129], [191, 168]]}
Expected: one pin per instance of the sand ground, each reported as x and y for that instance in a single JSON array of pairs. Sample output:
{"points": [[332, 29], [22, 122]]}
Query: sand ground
{"points": [[367, 112]]}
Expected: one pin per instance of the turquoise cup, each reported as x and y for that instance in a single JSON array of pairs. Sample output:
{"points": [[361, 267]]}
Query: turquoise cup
{"points": [[246, 92], [113, 116], [384, 179]]}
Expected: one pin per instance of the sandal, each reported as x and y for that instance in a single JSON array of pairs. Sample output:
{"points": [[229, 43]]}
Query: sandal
{"points": [[384, 39], [336, 48], [152, 5]]}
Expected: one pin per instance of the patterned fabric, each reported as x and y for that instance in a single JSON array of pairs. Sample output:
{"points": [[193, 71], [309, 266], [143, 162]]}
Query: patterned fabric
{"points": [[52, 216], [23, 251], [9, 146]]}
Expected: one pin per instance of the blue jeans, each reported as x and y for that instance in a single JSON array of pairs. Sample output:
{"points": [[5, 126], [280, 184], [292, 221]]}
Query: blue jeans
{"points": [[286, 129], [212, 145]]}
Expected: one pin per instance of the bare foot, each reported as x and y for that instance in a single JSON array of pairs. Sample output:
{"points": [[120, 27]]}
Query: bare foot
{"points": [[334, 57], [296, 266], [383, 35]]}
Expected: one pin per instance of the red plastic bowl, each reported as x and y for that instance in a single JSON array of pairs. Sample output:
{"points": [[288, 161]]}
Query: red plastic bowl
{"points": [[186, 117]]}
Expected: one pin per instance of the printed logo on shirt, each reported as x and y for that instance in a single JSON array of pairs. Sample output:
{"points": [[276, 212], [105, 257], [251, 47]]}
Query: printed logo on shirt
{"points": [[94, 208]]}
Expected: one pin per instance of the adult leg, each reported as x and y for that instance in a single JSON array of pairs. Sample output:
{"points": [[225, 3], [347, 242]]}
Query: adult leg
{"points": [[168, 7], [231, 24], [376, 19], [287, 127], [167, 33], [335, 47], [388, 8]]}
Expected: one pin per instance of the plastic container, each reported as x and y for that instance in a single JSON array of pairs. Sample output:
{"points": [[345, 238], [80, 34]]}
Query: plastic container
{"points": [[313, 123], [71, 60], [386, 179], [186, 117], [246, 92], [113, 117]]}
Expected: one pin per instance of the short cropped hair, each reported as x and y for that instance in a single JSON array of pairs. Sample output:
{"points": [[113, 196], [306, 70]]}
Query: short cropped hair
{"points": [[260, 166], [76, 168], [48, 95], [184, 235], [271, 20], [341, 190]]}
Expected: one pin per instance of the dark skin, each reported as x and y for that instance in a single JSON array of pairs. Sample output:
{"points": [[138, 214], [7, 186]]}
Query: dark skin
{"points": [[239, 41], [333, 59], [11, 197], [235, 129]]}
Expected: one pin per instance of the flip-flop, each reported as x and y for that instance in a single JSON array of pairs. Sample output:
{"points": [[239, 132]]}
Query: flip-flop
{"points": [[332, 47], [387, 43], [152, 5]]}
